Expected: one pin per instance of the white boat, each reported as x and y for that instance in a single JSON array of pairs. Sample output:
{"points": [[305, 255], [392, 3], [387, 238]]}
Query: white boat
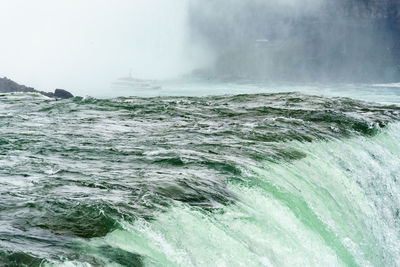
{"points": [[135, 84]]}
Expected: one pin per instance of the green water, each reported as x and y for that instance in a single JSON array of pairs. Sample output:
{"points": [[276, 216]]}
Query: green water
{"points": [[248, 180]]}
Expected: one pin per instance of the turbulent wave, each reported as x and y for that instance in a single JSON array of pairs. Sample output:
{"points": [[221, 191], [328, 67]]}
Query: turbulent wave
{"points": [[269, 179]]}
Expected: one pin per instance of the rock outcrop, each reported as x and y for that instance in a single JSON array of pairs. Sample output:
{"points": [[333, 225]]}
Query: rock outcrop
{"points": [[61, 93], [9, 86]]}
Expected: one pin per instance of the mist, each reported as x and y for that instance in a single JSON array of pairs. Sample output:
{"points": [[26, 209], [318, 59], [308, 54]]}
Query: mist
{"points": [[84, 45], [300, 40]]}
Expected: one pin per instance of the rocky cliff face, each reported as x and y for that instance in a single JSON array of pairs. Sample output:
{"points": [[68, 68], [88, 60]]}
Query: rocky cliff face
{"points": [[342, 40], [9, 86]]}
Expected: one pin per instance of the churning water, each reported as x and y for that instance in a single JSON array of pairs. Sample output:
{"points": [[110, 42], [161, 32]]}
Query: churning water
{"points": [[283, 179]]}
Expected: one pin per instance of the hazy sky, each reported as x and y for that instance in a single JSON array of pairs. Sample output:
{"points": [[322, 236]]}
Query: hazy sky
{"points": [[83, 45]]}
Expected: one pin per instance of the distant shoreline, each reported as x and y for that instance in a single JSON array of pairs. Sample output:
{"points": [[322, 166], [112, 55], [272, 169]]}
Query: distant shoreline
{"points": [[9, 86]]}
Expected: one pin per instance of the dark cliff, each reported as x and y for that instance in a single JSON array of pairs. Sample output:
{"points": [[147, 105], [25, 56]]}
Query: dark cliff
{"points": [[9, 86], [342, 40]]}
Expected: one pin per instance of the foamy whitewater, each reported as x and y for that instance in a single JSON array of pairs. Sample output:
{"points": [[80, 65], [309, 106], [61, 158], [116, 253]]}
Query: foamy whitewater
{"points": [[276, 178]]}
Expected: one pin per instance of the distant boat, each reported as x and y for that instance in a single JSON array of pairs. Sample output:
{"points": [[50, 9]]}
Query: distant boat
{"points": [[135, 84]]}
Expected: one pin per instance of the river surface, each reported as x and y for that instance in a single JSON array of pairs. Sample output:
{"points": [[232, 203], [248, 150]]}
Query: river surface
{"points": [[271, 178]]}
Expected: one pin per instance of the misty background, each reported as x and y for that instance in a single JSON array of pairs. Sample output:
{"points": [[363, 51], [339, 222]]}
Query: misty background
{"points": [[83, 46], [301, 40]]}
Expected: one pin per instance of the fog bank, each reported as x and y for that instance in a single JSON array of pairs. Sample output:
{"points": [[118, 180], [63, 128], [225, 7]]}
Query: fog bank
{"points": [[84, 45], [302, 40]]}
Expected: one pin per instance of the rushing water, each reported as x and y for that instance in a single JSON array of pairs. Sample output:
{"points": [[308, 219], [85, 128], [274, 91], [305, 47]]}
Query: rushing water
{"points": [[283, 179]]}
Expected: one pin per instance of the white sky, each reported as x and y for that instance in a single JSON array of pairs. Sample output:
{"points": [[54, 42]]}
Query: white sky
{"points": [[82, 45]]}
